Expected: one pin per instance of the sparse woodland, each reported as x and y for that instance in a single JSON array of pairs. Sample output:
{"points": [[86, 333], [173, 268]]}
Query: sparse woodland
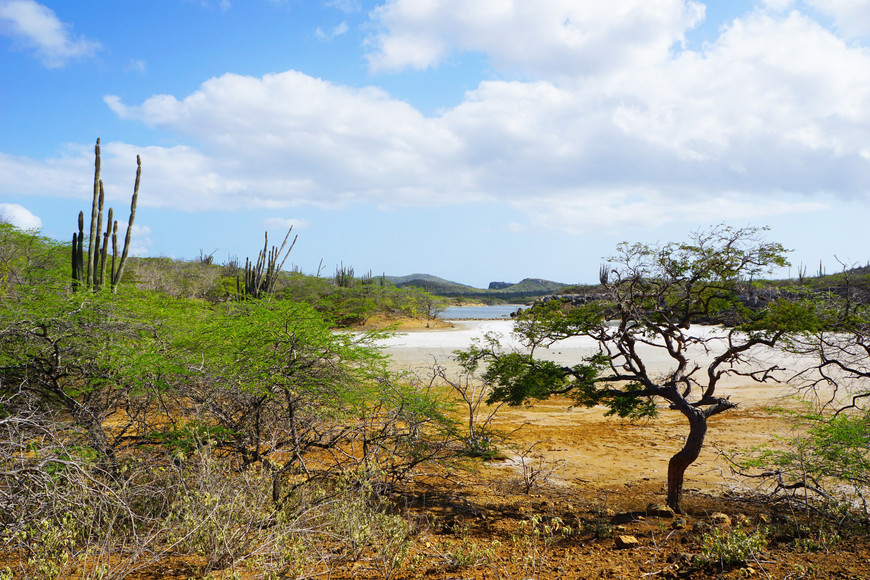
{"points": [[178, 427]]}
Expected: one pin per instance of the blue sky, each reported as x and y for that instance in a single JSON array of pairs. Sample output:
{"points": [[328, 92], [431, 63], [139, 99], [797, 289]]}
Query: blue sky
{"points": [[485, 140]]}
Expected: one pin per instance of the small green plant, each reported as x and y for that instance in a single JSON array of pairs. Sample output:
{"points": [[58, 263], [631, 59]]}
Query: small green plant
{"points": [[732, 547], [52, 544], [816, 540], [599, 528], [799, 572], [469, 554], [822, 465], [393, 543], [534, 542]]}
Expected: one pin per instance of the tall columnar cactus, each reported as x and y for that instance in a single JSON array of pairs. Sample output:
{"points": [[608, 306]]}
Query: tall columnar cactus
{"points": [[77, 247], [116, 279], [94, 204], [344, 276], [260, 278], [94, 275]]}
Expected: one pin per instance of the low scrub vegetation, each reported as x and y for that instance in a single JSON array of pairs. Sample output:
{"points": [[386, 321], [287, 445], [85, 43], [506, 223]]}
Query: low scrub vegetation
{"points": [[343, 300], [182, 428], [149, 422]]}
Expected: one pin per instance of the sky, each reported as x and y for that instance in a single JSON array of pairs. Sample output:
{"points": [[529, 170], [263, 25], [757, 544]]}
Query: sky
{"points": [[476, 140]]}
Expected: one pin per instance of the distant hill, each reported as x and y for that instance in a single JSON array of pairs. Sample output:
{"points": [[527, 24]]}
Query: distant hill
{"points": [[434, 284], [419, 279], [526, 290], [535, 285]]}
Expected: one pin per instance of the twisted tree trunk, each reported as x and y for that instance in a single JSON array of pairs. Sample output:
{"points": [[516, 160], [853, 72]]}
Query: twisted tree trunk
{"points": [[687, 455]]}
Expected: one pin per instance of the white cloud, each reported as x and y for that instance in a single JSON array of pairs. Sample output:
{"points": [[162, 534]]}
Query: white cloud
{"points": [[37, 27], [19, 216], [62, 176], [348, 6], [768, 95], [140, 239], [778, 5], [222, 5], [338, 30], [768, 119], [516, 228], [135, 65], [289, 138], [852, 17], [547, 38], [647, 208], [277, 223]]}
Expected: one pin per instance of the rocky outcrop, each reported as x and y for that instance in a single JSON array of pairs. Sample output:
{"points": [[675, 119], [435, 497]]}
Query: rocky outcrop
{"points": [[499, 285], [751, 297]]}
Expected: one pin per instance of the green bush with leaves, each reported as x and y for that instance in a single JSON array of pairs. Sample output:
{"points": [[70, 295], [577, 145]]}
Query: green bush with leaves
{"points": [[28, 260], [116, 403], [731, 547], [353, 302], [303, 401], [824, 465]]}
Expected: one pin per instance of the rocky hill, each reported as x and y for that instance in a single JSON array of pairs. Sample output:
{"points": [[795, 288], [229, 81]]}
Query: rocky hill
{"points": [[524, 291]]}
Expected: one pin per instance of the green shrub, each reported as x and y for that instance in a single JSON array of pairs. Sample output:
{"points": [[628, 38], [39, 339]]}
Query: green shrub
{"points": [[734, 546], [824, 465]]}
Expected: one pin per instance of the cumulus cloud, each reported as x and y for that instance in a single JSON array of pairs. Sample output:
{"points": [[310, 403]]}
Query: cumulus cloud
{"points": [[852, 17], [543, 38], [647, 208], [769, 118], [38, 28], [140, 239], [337, 30], [778, 5], [288, 138], [784, 83], [63, 176], [19, 216], [278, 223]]}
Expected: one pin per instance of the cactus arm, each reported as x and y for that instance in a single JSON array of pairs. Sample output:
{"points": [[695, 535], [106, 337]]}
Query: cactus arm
{"points": [[281, 266], [261, 264], [80, 262], [123, 261], [94, 211], [114, 250], [95, 283], [105, 248], [75, 262]]}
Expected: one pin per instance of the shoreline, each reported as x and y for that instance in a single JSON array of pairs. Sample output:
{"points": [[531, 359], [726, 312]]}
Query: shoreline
{"points": [[403, 324]]}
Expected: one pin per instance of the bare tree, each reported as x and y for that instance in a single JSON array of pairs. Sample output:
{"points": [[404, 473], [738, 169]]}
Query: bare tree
{"points": [[478, 414]]}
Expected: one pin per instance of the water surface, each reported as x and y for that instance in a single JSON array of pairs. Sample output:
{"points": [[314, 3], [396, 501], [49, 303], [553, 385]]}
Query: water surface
{"points": [[497, 312]]}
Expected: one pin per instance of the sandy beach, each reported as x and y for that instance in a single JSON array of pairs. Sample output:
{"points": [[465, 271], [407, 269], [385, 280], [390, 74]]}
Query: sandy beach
{"points": [[417, 350]]}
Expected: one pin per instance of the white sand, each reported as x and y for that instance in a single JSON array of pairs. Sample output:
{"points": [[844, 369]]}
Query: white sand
{"points": [[418, 350]]}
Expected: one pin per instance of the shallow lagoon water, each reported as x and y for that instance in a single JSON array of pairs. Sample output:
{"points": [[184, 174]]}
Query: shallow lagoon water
{"points": [[498, 312]]}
